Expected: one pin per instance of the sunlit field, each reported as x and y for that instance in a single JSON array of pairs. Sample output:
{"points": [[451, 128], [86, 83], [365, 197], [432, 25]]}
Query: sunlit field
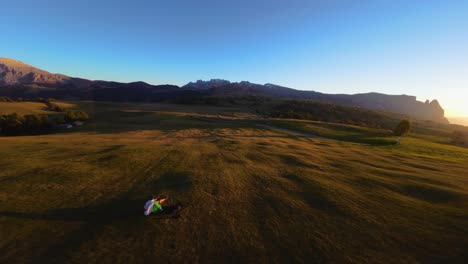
{"points": [[252, 190]]}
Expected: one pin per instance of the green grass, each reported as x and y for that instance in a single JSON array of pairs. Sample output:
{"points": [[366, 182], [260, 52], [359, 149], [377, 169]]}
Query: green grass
{"points": [[250, 194]]}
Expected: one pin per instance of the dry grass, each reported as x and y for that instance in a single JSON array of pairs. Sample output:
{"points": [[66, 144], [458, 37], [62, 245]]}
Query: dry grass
{"points": [[250, 194], [24, 108]]}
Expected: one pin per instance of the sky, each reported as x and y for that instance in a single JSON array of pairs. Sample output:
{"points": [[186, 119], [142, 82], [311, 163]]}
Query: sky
{"points": [[396, 47]]}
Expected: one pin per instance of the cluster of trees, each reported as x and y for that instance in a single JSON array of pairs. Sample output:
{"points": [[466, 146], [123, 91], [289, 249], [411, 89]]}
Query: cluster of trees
{"points": [[54, 106], [33, 124], [15, 124], [71, 116], [318, 111]]}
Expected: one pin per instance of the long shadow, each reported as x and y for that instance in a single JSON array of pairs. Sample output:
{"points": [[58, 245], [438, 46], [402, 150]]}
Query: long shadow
{"points": [[95, 219], [316, 196], [120, 209], [106, 213]]}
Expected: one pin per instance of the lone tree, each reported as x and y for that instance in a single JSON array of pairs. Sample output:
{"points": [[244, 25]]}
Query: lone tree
{"points": [[460, 137], [402, 129]]}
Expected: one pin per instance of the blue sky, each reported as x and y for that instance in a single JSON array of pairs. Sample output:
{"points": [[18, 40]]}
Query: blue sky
{"points": [[396, 47]]}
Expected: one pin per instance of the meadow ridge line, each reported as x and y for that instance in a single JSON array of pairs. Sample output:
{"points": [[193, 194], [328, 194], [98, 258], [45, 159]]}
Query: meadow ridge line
{"points": [[265, 126], [291, 131]]}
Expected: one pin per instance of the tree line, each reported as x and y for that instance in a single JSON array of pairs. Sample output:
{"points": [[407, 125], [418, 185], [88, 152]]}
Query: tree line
{"points": [[334, 113], [34, 124], [16, 124], [19, 99]]}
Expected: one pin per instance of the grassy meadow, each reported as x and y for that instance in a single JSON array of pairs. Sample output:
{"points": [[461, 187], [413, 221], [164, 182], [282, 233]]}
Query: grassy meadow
{"points": [[249, 193]]}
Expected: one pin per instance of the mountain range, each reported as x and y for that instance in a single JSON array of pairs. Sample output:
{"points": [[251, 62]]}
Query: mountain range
{"points": [[18, 79]]}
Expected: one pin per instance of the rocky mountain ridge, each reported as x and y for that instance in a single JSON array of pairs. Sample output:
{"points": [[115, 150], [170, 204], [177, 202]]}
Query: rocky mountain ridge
{"points": [[18, 79]]}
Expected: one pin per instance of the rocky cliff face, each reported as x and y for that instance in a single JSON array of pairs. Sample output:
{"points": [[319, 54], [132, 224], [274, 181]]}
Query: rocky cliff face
{"points": [[402, 104]]}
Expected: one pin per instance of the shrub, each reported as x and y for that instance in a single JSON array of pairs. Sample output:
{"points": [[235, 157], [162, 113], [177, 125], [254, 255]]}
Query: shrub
{"points": [[402, 128], [55, 107], [71, 116], [460, 137], [52, 106]]}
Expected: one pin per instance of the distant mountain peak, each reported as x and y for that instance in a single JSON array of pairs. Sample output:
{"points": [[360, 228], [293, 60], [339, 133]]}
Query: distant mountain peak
{"points": [[17, 72], [205, 85], [15, 65]]}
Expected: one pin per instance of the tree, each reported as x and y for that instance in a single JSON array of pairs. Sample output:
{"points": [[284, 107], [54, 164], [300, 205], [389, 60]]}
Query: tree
{"points": [[54, 107], [14, 124], [402, 129], [60, 119], [82, 116], [71, 116], [460, 137]]}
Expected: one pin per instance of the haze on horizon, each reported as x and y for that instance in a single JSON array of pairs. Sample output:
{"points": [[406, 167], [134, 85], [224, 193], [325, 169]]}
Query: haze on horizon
{"points": [[401, 47]]}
